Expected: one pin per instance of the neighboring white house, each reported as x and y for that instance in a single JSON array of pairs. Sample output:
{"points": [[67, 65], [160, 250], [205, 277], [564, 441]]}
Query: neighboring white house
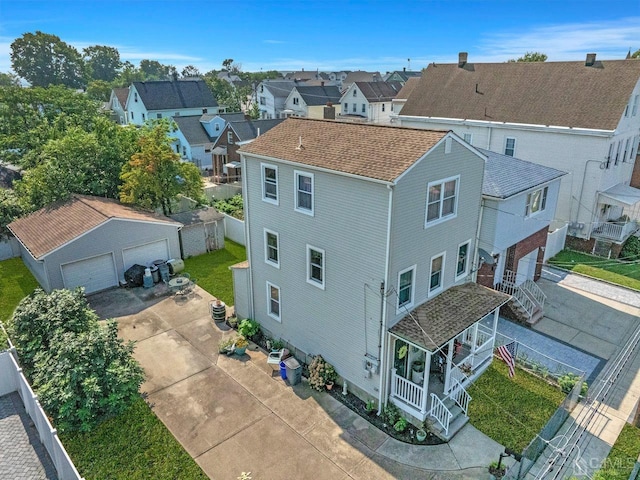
{"points": [[309, 101], [370, 100], [581, 117], [366, 255], [169, 98], [271, 97], [117, 104]]}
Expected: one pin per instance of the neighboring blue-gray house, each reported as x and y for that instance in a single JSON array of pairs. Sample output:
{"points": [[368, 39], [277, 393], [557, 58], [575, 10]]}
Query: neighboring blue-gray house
{"points": [[361, 244], [91, 241]]}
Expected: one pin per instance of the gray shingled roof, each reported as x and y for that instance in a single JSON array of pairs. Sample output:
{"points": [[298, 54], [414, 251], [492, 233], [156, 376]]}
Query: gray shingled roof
{"points": [[438, 320], [194, 217], [567, 94], [248, 129], [379, 91], [279, 88], [506, 176], [164, 95], [319, 95], [193, 130]]}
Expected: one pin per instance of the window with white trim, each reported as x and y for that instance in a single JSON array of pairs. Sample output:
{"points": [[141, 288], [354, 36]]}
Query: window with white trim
{"points": [[442, 200], [468, 137], [364, 108], [230, 137], [315, 266], [626, 149], [510, 146], [618, 153], [271, 248], [634, 109], [355, 94], [462, 266], [355, 107], [273, 301], [436, 273], [383, 107], [270, 183], [405, 287], [536, 201], [304, 192], [346, 107], [296, 101]]}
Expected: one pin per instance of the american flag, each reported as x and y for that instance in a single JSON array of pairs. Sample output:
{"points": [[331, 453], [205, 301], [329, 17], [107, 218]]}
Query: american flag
{"points": [[508, 354]]}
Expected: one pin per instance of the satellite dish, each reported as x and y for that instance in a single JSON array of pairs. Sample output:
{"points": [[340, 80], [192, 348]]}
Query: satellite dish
{"points": [[486, 257]]}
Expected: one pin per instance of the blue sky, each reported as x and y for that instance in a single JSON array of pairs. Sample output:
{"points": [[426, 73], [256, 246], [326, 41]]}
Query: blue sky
{"points": [[289, 35]]}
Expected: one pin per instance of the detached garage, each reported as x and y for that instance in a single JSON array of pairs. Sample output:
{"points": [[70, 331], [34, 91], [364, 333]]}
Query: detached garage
{"points": [[90, 242]]}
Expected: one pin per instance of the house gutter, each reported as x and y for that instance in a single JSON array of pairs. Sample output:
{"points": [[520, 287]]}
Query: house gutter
{"points": [[245, 191], [382, 350]]}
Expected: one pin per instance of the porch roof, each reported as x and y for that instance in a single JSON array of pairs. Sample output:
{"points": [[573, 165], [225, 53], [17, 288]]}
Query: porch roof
{"points": [[438, 320], [620, 195]]}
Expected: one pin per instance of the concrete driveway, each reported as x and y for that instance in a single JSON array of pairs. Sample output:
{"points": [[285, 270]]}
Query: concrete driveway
{"points": [[235, 414]]}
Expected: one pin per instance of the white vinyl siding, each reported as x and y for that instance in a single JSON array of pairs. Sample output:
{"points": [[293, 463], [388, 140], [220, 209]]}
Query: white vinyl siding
{"points": [[462, 266], [315, 266], [271, 248], [436, 273], [406, 290], [442, 200], [536, 201], [269, 183], [273, 301], [304, 193]]}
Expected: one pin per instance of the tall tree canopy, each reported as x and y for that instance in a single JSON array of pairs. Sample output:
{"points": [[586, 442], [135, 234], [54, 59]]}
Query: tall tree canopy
{"points": [[9, 80], [102, 62], [43, 59], [636, 54], [531, 57], [155, 176], [191, 71], [154, 70]]}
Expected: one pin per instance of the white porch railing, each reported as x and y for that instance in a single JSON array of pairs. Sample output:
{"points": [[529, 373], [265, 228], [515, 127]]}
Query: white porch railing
{"points": [[460, 396], [457, 376], [525, 298], [613, 231], [407, 391], [440, 412], [484, 335], [534, 291], [483, 354]]}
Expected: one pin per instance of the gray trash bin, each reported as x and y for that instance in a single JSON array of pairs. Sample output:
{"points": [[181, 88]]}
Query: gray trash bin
{"points": [[294, 370]]}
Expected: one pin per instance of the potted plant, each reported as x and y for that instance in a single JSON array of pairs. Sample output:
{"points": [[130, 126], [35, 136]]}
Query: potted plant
{"points": [[421, 434], [276, 345], [497, 470], [225, 345], [370, 407], [232, 322], [321, 374], [241, 345], [417, 372]]}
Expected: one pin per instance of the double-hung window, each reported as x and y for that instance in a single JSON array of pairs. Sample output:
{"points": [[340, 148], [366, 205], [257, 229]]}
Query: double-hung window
{"points": [[273, 301], [315, 266], [510, 146], [468, 137], [270, 183], [536, 201], [634, 109], [626, 149], [463, 260], [442, 200], [435, 277], [304, 192], [405, 287], [271, 248]]}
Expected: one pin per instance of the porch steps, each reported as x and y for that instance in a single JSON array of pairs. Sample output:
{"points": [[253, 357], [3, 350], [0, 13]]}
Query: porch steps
{"points": [[520, 312], [458, 420]]}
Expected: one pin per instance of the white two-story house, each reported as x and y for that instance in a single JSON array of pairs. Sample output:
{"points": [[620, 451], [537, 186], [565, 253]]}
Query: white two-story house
{"points": [[271, 97], [580, 117], [169, 98], [361, 244], [370, 100]]}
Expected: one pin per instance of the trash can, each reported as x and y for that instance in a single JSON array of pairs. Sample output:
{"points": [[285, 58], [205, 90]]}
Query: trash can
{"points": [[294, 370], [163, 269], [283, 371], [154, 273]]}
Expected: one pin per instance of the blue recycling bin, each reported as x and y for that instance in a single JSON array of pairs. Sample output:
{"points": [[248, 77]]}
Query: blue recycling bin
{"points": [[283, 371]]}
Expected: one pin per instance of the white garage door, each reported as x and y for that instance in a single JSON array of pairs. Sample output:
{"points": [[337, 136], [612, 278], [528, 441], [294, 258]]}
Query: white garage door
{"points": [[95, 273], [145, 254]]}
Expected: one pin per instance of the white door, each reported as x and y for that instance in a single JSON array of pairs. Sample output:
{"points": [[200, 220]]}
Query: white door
{"points": [[527, 267], [95, 273], [145, 254]]}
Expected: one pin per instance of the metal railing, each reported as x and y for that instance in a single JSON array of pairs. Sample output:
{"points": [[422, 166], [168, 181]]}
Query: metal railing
{"points": [[460, 396], [406, 390], [440, 412]]}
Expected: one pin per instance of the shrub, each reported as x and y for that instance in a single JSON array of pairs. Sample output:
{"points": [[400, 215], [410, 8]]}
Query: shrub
{"points": [[568, 381], [631, 249], [321, 372], [401, 425], [231, 206], [248, 328], [241, 341], [391, 413], [225, 344]]}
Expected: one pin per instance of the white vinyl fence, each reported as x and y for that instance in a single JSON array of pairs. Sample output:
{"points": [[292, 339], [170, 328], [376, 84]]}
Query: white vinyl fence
{"points": [[555, 242], [11, 380], [234, 229]]}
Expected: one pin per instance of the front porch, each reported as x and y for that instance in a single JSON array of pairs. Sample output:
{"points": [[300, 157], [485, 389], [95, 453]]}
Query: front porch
{"points": [[439, 349], [617, 213]]}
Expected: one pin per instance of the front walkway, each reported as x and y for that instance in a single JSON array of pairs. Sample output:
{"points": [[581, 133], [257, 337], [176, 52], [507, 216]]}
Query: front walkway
{"points": [[234, 414]]}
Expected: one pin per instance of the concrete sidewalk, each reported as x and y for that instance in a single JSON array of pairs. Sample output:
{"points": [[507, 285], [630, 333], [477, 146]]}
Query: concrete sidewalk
{"points": [[235, 414]]}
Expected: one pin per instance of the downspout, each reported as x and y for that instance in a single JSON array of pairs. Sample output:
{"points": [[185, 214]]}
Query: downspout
{"points": [[245, 192], [489, 139], [474, 277], [584, 176], [382, 389]]}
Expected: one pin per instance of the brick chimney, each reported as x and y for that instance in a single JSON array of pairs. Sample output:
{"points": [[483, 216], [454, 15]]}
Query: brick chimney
{"points": [[462, 59], [591, 60]]}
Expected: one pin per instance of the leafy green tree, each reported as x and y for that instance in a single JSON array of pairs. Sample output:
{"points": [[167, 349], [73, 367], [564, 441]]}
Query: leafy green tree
{"points": [[43, 59], [636, 54], [254, 111], [154, 70], [128, 74], [228, 96], [99, 90], [230, 66], [531, 57], [155, 176], [191, 71], [84, 378], [10, 209], [9, 80], [102, 62], [40, 316]]}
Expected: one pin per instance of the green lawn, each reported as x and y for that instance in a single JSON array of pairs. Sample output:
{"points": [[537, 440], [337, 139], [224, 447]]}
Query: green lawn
{"points": [[16, 282], [622, 457], [511, 410], [133, 445], [211, 270], [626, 274]]}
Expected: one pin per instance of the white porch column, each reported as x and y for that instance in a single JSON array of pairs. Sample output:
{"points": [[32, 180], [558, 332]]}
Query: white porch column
{"points": [[495, 325], [474, 337], [447, 374], [425, 383]]}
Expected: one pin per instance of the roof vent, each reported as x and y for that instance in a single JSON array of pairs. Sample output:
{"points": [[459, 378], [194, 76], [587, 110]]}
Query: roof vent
{"points": [[591, 60], [300, 146], [462, 59]]}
